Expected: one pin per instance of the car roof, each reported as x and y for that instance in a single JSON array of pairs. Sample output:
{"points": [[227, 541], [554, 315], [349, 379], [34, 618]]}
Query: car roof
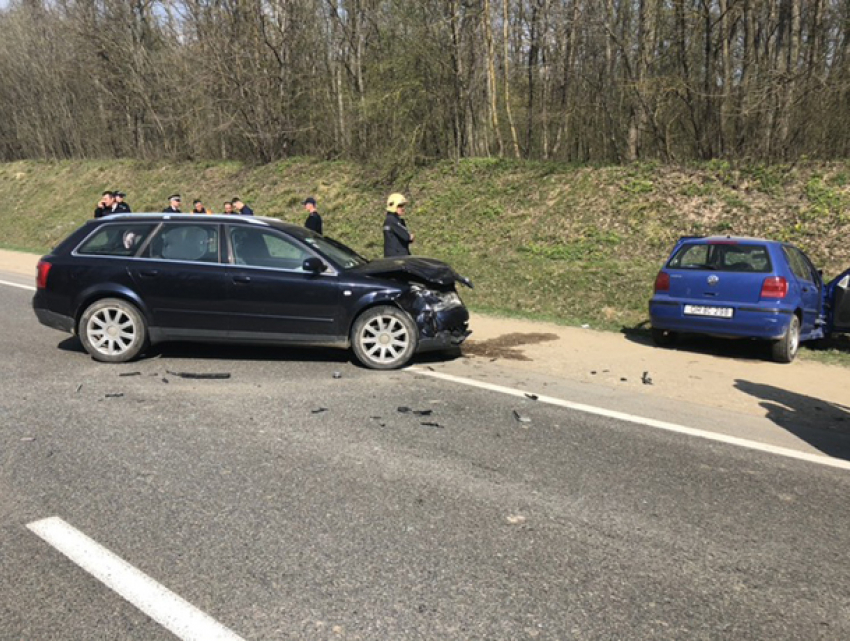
{"points": [[728, 239], [261, 221]]}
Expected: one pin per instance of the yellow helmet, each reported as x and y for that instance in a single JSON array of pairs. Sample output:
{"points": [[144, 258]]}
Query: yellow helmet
{"points": [[394, 201]]}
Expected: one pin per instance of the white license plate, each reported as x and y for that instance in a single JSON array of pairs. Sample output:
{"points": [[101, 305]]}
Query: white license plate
{"points": [[702, 310]]}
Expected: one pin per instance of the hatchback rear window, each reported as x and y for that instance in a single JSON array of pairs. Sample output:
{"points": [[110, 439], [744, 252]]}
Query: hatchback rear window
{"points": [[726, 257], [122, 239]]}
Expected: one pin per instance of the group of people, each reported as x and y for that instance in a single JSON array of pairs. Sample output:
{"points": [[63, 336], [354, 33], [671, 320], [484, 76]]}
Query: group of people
{"points": [[397, 237]]}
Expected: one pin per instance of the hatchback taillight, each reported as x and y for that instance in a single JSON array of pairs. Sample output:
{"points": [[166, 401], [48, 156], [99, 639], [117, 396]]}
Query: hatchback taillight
{"points": [[41, 275], [662, 282], [774, 287]]}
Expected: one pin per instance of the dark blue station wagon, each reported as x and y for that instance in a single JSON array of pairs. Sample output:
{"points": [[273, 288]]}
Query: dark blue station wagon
{"points": [[124, 282], [747, 288]]}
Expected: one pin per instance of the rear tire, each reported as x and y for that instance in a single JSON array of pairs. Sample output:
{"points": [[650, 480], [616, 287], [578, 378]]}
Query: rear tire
{"points": [[384, 337], [113, 331], [664, 337], [785, 349]]}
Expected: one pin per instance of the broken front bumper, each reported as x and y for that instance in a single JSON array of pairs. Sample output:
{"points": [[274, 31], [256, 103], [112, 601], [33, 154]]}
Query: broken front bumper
{"points": [[444, 329]]}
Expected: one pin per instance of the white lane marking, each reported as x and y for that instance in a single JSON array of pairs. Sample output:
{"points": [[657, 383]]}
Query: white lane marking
{"points": [[175, 614], [6, 282], [640, 420]]}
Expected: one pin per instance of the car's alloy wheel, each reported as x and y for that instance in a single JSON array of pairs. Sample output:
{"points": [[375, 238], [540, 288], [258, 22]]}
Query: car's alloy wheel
{"points": [[384, 338], [785, 349], [113, 330]]}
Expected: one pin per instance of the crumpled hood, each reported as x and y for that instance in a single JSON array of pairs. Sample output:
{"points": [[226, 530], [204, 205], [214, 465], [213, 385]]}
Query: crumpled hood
{"points": [[428, 270]]}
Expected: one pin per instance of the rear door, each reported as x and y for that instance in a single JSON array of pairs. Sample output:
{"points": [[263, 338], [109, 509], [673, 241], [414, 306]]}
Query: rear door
{"points": [[180, 277], [838, 293], [809, 285], [271, 297]]}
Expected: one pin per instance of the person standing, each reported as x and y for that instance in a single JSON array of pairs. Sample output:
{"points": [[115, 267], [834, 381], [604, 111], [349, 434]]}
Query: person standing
{"points": [[228, 207], [121, 207], [314, 220], [198, 207], [106, 206], [173, 205], [397, 237], [241, 208]]}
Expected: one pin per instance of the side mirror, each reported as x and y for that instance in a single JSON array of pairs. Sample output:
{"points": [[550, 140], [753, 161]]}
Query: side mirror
{"points": [[313, 265]]}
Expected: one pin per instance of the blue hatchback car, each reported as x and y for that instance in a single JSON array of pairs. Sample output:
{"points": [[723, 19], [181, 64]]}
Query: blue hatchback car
{"points": [[747, 288]]}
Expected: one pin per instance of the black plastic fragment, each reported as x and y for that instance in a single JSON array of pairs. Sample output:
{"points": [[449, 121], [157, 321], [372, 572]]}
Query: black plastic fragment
{"points": [[403, 409], [119, 395], [130, 374], [430, 424], [423, 412], [319, 410], [533, 397], [200, 375]]}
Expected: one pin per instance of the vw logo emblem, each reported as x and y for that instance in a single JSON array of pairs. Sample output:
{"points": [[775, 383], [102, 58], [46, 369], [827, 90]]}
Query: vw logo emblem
{"points": [[713, 280]]}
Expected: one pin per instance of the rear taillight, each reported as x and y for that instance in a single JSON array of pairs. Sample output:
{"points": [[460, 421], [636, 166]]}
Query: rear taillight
{"points": [[41, 276], [662, 282], [774, 287]]}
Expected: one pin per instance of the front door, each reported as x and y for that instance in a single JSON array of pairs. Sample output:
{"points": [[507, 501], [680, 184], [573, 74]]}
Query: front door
{"points": [[839, 293], [271, 297]]}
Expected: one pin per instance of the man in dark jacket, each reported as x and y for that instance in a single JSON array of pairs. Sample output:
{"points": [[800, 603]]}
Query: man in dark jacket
{"points": [[314, 220], [106, 205], [121, 207], [241, 208], [173, 205], [397, 238]]}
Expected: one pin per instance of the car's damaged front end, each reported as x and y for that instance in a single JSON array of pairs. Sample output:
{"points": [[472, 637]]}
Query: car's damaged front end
{"points": [[431, 298]]}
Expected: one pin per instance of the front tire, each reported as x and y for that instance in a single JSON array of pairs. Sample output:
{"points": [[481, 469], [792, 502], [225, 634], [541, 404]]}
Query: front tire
{"points": [[785, 349], [113, 331], [384, 337]]}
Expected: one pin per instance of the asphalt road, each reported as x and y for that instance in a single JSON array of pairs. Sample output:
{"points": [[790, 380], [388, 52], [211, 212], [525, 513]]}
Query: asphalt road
{"points": [[287, 503]]}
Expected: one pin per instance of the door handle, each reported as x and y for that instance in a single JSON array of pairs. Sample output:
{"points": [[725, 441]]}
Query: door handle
{"points": [[241, 279], [148, 273]]}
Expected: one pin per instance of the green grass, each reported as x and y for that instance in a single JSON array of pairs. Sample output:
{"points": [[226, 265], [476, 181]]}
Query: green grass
{"points": [[540, 240]]}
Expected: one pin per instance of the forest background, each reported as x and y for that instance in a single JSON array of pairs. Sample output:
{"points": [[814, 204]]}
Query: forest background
{"points": [[553, 149]]}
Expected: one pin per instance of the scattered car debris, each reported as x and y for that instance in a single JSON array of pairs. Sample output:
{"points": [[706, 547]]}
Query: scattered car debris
{"points": [[430, 368], [118, 395], [593, 372], [201, 375], [164, 380], [28, 439], [130, 374], [319, 410], [337, 374], [403, 409], [522, 419], [533, 397], [79, 387], [430, 424], [645, 378], [423, 412], [623, 379], [516, 519]]}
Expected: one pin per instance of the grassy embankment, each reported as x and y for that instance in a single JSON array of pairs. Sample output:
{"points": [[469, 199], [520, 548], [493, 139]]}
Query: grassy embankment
{"points": [[539, 240]]}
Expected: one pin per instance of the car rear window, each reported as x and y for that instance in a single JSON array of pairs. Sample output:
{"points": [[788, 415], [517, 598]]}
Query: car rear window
{"points": [[726, 257], [120, 239]]}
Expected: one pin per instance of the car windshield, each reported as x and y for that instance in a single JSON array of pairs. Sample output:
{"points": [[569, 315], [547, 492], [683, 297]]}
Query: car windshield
{"points": [[727, 257], [341, 254]]}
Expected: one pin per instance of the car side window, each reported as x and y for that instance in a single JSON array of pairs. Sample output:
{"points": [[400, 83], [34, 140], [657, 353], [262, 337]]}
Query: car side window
{"points": [[797, 263], [262, 248], [123, 239], [813, 275], [186, 242]]}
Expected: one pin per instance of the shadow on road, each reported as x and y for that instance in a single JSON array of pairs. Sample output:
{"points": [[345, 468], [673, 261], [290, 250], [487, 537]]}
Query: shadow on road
{"points": [[822, 424], [209, 351]]}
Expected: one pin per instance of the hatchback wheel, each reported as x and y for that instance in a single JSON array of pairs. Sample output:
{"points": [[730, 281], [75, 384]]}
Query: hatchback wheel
{"points": [[384, 338], [785, 349], [113, 331], [663, 337]]}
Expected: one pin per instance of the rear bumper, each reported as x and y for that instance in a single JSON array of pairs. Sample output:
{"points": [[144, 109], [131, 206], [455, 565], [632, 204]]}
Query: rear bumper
{"points": [[749, 321], [52, 319]]}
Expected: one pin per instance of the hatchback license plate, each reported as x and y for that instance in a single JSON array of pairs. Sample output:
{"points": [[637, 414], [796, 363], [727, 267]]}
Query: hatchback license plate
{"points": [[702, 310]]}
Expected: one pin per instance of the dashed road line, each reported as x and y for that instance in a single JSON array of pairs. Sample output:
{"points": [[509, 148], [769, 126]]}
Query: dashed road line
{"points": [[640, 420], [172, 612]]}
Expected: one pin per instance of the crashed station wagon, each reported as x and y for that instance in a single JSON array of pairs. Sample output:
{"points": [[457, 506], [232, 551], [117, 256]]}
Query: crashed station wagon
{"points": [[125, 282], [747, 288]]}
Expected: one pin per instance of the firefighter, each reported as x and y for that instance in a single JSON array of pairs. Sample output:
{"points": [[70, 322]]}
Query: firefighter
{"points": [[397, 238]]}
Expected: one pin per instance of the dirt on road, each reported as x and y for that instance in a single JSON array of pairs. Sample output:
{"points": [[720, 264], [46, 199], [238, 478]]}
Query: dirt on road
{"points": [[735, 376]]}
